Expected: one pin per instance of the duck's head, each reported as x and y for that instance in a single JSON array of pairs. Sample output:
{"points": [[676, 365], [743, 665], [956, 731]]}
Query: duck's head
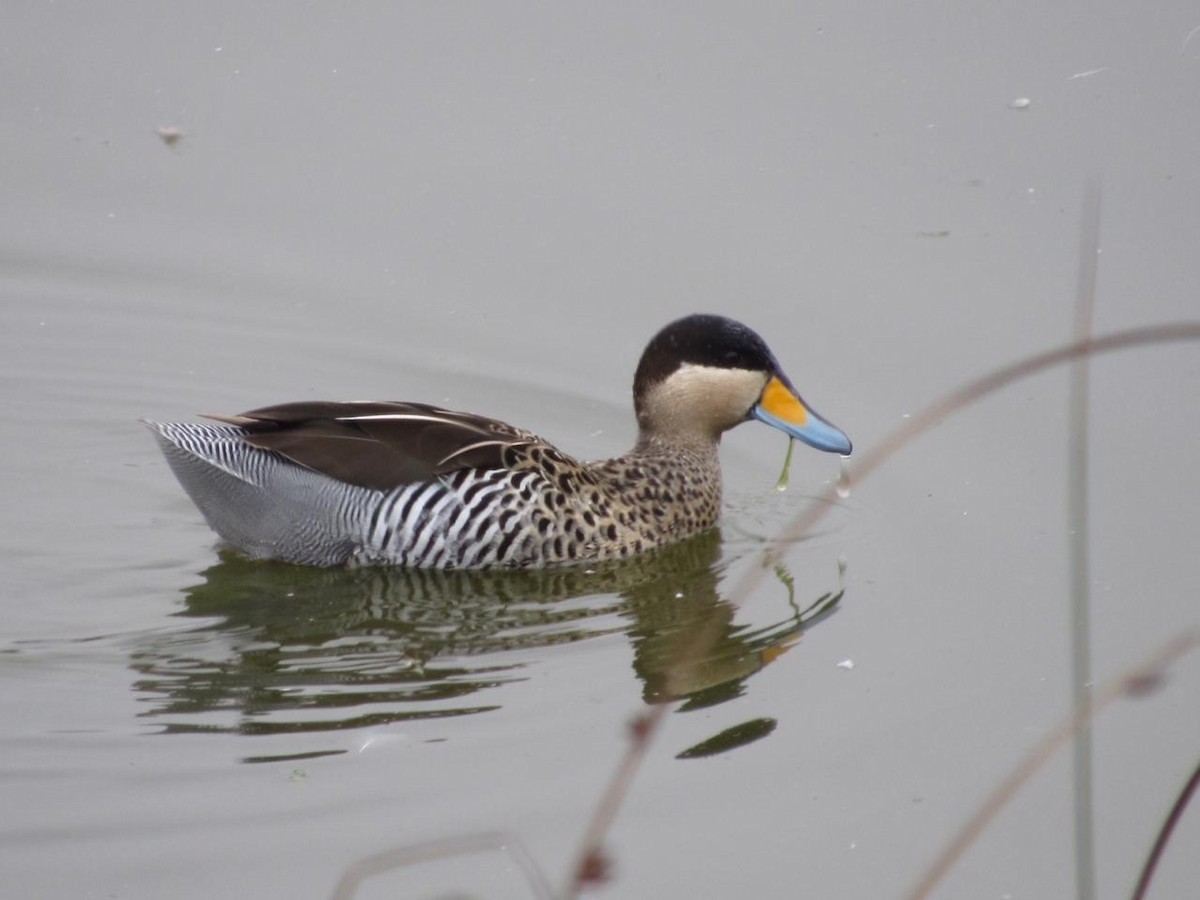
{"points": [[703, 374]]}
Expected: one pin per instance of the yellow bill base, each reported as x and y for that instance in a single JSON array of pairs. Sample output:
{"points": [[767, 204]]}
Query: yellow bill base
{"points": [[779, 401]]}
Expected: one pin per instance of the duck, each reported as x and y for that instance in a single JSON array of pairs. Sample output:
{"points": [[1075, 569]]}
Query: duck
{"points": [[334, 483]]}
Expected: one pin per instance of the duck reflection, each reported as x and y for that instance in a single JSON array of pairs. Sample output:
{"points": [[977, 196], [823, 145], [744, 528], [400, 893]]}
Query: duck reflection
{"points": [[282, 648]]}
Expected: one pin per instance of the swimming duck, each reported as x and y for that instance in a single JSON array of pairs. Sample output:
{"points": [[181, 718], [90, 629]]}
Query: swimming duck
{"points": [[383, 482]]}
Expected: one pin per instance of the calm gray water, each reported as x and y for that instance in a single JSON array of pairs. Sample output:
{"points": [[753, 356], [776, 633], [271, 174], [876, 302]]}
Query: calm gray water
{"points": [[492, 207]]}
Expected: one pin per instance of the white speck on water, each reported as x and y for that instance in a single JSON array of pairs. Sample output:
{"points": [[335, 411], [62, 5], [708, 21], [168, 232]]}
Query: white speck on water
{"points": [[1191, 34], [1021, 103], [846, 664], [170, 134], [679, 595], [1089, 73], [381, 740]]}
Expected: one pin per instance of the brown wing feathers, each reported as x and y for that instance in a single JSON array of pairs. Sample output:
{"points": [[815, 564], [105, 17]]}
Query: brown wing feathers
{"points": [[378, 445]]}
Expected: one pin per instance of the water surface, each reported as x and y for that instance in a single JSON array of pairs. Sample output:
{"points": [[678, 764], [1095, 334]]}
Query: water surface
{"points": [[493, 209]]}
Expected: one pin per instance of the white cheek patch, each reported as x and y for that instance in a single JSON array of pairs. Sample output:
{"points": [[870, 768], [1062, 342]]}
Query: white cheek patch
{"points": [[709, 397], [742, 386]]}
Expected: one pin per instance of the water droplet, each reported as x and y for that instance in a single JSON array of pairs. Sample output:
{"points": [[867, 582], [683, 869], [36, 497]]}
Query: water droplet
{"points": [[843, 482]]}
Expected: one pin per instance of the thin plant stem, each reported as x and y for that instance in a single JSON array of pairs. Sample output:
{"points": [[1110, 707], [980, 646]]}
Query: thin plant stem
{"points": [[591, 860], [1164, 834], [1133, 681], [1078, 525]]}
